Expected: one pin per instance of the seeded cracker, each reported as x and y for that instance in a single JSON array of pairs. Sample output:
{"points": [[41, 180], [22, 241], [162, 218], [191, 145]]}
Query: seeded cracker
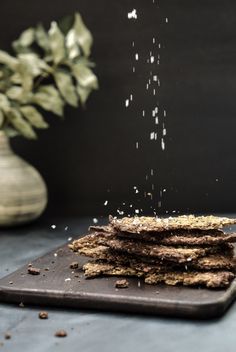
{"points": [[186, 250], [186, 222]]}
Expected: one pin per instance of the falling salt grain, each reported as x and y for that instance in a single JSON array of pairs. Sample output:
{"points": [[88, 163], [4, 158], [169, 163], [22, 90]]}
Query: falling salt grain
{"points": [[153, 40], [155, 78], [152, 59], [55, 254], [162, 144], [217, 179], [139, 284], [66, 228], [95, 220], [167, 20], [136, 56], [143, 113], [164, 132], [164, 190], [164, 113], [131, 97], [136, 211], [152, 135], [69, 239], [53, 227], [154, 91], [156, 120], [127, 103], [132, 14], [133, 69], [106, 202], [152, 173]]}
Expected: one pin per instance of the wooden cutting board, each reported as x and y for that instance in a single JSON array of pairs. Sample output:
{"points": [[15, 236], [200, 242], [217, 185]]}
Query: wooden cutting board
{"points": [[58, 285]]}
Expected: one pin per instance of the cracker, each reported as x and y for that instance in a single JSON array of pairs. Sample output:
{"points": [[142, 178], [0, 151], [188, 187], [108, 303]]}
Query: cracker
{"points": [[155, 224]]}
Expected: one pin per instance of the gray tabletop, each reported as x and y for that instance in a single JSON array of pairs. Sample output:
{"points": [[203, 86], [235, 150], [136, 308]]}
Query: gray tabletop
{"points": [[94, 331]]}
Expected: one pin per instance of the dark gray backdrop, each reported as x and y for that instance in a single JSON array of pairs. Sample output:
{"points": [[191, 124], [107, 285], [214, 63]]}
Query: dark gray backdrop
{"points": [[91, 156]]}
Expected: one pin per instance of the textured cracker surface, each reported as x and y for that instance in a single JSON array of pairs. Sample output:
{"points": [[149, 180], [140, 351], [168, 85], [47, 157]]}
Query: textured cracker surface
{"points": [[89, 246], [209, 279], [154, 224]]}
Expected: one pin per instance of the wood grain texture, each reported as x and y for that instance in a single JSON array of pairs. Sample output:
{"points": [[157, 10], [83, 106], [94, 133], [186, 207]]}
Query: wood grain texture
{"points": [[59, 285], [23, 191]]}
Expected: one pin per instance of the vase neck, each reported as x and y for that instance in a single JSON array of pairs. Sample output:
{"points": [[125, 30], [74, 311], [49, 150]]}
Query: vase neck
{"points": [[4, 144]]}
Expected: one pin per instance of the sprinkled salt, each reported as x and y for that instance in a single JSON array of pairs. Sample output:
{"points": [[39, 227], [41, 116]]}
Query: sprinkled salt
{"points": [[53, 227], [136, 211], [106, 202], [136, 56], [164, 132], [126, 103], [136, 145], [55, 254], [167, 20], [95, 220], [152, 59], [156, 120], [66, 228], [132, 14], [152, 135], [69, 238], [162, 144], [155, 78]]}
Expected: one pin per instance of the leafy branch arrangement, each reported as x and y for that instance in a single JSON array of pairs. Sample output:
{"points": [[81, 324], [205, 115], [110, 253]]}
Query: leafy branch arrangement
{"points": [[49, 69]]}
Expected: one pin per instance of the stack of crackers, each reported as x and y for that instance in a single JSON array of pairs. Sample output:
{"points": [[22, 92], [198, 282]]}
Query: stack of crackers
{"points": [[187, 250]]}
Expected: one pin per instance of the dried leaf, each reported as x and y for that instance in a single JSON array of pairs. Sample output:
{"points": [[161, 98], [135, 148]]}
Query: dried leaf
{"points": [[4, 102], [42, 38], [34, 63], [15, 93], [66, 87], [8, 60], [83, 93], [49, 99], [84, 76], [72, 46], [84, 36], [26, 38], [16, 119], [33, 116], [57, 43], [1, 118], [26, 76]]}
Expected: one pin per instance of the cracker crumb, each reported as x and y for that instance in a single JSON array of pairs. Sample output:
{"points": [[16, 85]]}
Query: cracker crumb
{"points": [[60, 333], [33, 271], [74, 265], [122, 284], [43, 315]]}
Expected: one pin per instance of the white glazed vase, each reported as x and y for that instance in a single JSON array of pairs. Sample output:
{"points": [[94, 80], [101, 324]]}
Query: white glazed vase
{"points": [[23, 193]]}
